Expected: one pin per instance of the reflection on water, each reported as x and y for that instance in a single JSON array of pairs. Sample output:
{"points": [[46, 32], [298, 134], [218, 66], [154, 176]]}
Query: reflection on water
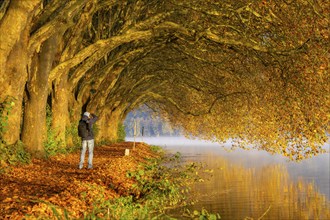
{"points": [[256, 185], [237, 192]]}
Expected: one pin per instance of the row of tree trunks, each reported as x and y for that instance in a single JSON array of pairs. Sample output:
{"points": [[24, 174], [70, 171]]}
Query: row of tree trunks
{"points": [[14, 61], [27, 64], [25, 78]]}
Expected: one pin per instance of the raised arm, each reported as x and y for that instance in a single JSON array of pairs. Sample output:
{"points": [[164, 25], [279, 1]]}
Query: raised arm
{"points": [[93, 119]]}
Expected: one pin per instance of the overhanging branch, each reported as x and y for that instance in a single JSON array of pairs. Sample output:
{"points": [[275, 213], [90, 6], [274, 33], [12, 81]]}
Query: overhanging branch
{"points": [[63, 20]]}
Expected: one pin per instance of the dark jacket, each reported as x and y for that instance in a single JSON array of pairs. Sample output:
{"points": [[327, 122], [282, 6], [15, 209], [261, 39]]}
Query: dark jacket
{"points": [[90, 122]]}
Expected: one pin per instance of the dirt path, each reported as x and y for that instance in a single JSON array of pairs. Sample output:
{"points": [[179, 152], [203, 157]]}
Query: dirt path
{"points": [[26, 190]]}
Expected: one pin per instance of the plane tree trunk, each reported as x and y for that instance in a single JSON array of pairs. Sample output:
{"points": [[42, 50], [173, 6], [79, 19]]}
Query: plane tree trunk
{"points": [[60, 112], [61, 125], [108, 125], [34, 131], [13, 63], [74, 114]]}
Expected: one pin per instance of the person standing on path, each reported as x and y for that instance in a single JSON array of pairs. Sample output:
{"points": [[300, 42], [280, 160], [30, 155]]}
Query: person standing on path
{"points": [[85, 130]]}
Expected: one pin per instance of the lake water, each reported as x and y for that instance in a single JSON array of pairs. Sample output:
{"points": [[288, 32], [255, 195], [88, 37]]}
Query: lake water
{"points": [[254, 184]]}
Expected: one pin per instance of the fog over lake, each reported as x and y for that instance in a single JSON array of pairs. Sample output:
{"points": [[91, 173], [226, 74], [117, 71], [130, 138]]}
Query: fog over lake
{"points": [[255, 179]]}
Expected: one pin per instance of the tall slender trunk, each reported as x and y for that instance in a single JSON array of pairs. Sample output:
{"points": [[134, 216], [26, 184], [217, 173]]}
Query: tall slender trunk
{"points": [[74, 113], [102, 124], [34, 131], [60, 113]]}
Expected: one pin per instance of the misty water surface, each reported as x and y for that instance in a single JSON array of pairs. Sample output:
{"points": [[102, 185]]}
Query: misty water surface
{"points": [[253, 184]]}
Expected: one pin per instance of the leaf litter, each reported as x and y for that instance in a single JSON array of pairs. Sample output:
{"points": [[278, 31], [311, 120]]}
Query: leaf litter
{"points": [[35, 189]]}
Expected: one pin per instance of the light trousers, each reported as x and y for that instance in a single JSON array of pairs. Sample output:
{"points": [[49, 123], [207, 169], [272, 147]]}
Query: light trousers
{"points": [[90, 145]]}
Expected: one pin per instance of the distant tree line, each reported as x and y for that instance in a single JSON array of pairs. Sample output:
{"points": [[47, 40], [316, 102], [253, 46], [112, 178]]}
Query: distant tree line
{"points": [[149, 124]]}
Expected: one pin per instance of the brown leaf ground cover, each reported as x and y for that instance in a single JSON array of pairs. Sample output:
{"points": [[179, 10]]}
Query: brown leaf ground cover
{"points": [[30, 189]]}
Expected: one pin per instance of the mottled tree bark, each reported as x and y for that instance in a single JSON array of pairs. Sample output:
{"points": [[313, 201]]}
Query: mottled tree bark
{"points": [[14, 61], [60, 112], [61, 93], [108, 125], [74, 114], [208, 60], [34, 131]]}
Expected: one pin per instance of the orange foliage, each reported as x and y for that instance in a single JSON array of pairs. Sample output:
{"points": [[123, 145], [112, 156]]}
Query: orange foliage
{"points": [[34, 189]]}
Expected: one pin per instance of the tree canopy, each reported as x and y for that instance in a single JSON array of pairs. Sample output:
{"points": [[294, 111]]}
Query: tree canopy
{"points": [[256, 71]]}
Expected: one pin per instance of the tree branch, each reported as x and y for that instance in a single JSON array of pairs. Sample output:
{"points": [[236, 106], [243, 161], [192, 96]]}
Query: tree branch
{"points": [[97, 50], [3, 8], [46, 14], [63, 21]]}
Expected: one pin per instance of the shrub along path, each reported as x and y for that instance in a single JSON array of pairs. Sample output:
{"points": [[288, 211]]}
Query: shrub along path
{"points": [[36, 189]]}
